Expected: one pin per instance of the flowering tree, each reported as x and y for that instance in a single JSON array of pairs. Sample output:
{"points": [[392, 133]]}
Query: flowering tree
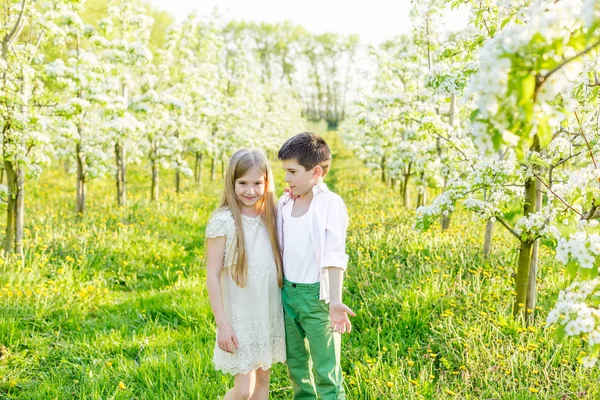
{"points": [[80, 79], [525, 98], [23, 96], [124, 36]]}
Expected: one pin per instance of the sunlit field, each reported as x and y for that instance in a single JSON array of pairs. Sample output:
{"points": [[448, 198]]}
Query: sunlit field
{"points": [[115, 306]]}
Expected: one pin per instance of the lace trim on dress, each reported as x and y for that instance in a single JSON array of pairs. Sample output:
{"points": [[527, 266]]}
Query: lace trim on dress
{"points": [[262, 344]]}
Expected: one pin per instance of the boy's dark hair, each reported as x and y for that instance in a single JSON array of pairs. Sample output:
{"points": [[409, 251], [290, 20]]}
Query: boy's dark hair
{"points": [[309, 149]]}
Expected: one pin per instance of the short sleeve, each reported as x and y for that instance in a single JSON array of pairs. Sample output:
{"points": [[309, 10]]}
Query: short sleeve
{"points": [[218, 225]]}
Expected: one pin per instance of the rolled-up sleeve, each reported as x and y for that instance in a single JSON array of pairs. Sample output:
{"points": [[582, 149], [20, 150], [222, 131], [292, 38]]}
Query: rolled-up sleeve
{"points": [[335, 235]]}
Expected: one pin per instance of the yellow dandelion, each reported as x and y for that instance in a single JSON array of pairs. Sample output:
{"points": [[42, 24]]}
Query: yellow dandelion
{"points": [[390, 384], [122, 386], [533, 390]]}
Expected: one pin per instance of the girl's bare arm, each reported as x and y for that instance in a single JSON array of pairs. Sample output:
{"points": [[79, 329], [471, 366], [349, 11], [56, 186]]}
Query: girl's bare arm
{"points": [[215, 249]]}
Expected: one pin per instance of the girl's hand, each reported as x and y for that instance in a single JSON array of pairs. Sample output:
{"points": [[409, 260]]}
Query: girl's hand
{"points": [[226, 339], [338, 313]]}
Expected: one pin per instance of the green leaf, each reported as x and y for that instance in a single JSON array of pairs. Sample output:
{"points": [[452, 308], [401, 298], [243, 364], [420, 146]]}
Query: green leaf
{"points": [[527, 89], [571, 270], [588, 273], [543, 133], [595, 351], [560, 332], [474, 115]]}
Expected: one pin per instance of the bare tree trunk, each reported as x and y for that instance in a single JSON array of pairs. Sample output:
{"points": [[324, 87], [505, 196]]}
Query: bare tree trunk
{"points": [[422, 196], [81, 187], [15, 175], [121, 173], [11, 210], [222, 169], [383, 178], [213, 167], [451, 118], [487, 240], [177, 180], [155, 180], [405, 191], [524, 263], [121, 158], [531, 284], [198, 168], [20, 211]]}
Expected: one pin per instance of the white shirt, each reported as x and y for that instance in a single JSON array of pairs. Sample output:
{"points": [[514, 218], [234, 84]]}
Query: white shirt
{"points": [[299, 261], [327, 225]]}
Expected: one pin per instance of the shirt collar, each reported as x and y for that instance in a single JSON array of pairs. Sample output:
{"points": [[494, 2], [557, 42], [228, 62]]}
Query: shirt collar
{"points": [[320, 187]]}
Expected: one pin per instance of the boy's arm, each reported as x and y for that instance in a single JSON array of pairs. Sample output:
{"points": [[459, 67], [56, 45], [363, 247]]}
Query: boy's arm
{"points": [[338, 311], [336, 261]]}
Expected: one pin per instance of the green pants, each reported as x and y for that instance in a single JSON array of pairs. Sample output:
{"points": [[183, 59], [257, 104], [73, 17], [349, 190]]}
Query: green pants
{"points": [[313, 350]]}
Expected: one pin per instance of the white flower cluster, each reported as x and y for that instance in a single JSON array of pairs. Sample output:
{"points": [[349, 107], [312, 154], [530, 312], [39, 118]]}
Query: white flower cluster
{"points": [[442, 205], [483, 209], [514, 55], [582, 247], [537, 225], [576, 317]]}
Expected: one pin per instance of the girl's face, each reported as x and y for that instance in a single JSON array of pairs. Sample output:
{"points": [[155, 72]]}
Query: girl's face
{"points": [[250, 187]]}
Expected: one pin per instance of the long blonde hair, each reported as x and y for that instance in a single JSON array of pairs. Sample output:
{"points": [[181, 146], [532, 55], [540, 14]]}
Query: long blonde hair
{"points": [[240, 163]]}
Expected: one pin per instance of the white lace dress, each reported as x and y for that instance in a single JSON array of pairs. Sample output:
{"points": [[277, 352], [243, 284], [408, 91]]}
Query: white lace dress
{"points": [[254, 311]]}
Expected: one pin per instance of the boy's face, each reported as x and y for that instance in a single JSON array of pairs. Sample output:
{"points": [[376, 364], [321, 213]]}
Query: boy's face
{"points": [[298, 178]]}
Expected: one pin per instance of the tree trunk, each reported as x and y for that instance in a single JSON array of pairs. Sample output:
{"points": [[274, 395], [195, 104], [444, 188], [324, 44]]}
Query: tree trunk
{"points": [[405, 192], [446, 217], [81, 188], [213, 167], [198, 168], [177, 180], [155, 180], [11, 180], [446, 220], [531, 285], [20, 211], [222, 169], [422, 196], [121, 173], [524, 263], [451, 119], [487, 240]]}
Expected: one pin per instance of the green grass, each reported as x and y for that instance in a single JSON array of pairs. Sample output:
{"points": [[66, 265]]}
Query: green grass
{"points": [[120, 298]]}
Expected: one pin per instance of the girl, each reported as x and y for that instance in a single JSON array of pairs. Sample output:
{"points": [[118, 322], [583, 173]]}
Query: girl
{"points": [[244, 277]]}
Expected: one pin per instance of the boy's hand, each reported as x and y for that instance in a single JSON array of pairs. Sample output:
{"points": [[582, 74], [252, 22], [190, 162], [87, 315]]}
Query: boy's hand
{"points": [[291, 193], [226, 339], [338, 313]]}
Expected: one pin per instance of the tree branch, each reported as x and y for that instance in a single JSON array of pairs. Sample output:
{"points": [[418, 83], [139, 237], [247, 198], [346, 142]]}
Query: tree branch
{"points": [[586, 141], [511, 230], [13, 33], [557, 196], [564, 160], [541, 79]]}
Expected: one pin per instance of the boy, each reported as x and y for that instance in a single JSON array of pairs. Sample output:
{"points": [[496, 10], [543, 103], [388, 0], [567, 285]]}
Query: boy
{"points": [[312, 223]]}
